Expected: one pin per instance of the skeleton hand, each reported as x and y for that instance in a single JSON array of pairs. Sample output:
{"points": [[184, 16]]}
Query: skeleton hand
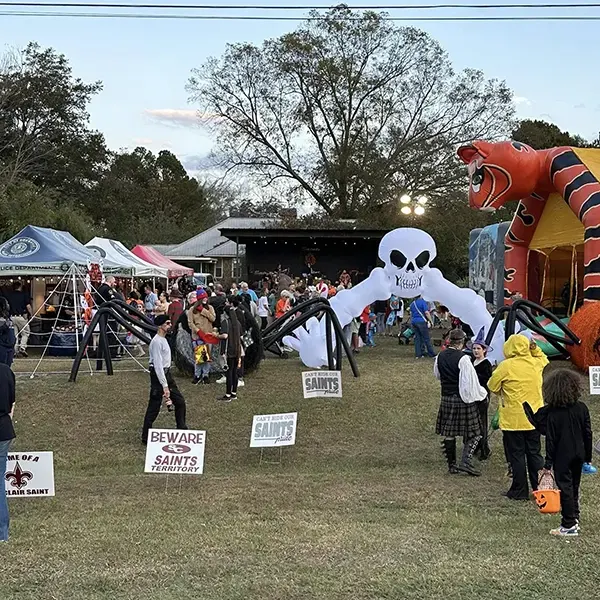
{"points": [[310, 343]]}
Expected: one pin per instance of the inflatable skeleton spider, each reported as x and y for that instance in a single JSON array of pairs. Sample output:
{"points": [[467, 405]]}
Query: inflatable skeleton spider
{"points": [[407, 255]]}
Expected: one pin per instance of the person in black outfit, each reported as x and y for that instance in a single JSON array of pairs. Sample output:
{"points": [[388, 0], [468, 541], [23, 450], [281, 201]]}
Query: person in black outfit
{"points": [[7, 434], [232, 347], [7, 334], [20, 313], [105, 293], [483, 368], [568, 429]]}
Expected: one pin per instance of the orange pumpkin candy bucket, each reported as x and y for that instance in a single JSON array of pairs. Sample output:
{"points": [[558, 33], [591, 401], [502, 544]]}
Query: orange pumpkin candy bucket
{"points": [[547, 497]]}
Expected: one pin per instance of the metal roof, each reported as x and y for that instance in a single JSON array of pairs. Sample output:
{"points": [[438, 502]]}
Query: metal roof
{"points": [[163, 248], [211, 243]]}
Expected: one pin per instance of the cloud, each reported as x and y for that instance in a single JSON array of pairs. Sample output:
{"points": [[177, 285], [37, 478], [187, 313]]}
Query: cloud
{"points": [[177, 117], [521, 101], [199, 162], [579, 106]]}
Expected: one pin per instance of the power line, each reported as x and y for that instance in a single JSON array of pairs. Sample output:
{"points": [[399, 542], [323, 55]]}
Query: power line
{"points": [[108, 15], [297, 7]]}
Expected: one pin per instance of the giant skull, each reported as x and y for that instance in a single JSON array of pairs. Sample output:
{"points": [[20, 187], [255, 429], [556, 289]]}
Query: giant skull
{"points": [[407, 254]]}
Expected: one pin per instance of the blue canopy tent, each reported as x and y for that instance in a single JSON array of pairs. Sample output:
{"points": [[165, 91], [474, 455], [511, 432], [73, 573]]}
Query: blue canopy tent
{"points": [[45, 252]]}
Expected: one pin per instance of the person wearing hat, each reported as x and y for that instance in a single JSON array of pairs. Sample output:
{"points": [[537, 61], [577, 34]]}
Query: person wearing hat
{"points": [[201, 317], [162, 384], [458, 415], [483, 368]]}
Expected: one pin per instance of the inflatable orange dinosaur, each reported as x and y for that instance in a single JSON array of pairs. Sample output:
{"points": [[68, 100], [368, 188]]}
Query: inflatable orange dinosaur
{"points": [[560, 186]]}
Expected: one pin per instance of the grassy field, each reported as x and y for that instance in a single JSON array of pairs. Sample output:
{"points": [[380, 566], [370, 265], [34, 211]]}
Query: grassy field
{"points": [[360, 508]]}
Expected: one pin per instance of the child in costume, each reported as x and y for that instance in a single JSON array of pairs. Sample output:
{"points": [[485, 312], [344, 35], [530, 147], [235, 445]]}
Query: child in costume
{"points": [[565, 421]]}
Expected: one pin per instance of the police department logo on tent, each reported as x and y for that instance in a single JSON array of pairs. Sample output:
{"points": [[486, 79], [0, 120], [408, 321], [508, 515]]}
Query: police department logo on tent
{"points": [[98, 252], [19, 248]]}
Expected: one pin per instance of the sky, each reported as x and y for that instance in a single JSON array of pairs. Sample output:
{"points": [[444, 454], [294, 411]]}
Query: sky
{"points": [[144, 65]]}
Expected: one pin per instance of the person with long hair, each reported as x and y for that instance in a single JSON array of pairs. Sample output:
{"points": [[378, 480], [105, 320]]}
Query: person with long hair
{"points": [[568, 442], [232, 348]]}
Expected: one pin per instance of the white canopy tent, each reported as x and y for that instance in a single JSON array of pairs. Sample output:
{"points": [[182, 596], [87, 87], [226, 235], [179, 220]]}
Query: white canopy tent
{"points": [[115, 252]]}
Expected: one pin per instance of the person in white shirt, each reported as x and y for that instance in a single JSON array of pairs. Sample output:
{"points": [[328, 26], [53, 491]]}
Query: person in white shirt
{"points": [[263, 309], [162, 384], [459, 413]]}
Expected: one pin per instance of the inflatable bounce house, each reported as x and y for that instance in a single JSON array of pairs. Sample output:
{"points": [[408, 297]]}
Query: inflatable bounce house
{"points": [[552, 245]]}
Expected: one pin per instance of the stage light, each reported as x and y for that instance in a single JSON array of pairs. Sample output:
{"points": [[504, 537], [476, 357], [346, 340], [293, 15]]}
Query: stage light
{"points": [[405, 210], [419, 210], [405, 199]]}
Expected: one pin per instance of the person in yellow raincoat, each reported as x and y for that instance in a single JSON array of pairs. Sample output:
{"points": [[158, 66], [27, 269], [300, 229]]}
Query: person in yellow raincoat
{"points": [[518, 379]]}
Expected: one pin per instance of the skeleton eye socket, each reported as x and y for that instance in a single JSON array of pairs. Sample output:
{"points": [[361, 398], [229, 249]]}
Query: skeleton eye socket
{"points": [[398, 259], [423, 259]]}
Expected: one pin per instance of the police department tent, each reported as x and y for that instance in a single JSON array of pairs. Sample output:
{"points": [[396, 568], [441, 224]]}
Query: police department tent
{"points": [[117, 252], [45, 252], [156, 258]]}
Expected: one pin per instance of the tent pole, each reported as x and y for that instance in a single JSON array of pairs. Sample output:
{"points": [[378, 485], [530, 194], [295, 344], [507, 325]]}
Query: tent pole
{"points": [[75, 306]]}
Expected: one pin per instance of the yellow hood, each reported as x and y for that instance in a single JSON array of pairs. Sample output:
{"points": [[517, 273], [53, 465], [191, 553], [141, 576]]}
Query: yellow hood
{"points": [[516, 345]]}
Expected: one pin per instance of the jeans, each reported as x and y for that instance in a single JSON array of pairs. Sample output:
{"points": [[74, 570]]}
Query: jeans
{"points": [[380, 323], [4, 519], [22, 332], [201, 370], [524, 455], [422, 339], [156, 399]]}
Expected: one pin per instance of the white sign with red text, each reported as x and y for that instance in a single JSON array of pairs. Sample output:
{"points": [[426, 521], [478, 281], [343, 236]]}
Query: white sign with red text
{"points": [[178, 451], [29, 474]]}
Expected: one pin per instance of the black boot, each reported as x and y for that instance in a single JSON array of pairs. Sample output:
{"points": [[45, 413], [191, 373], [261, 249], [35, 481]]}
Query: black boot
{"points": [[449, 449], [469, 447]]}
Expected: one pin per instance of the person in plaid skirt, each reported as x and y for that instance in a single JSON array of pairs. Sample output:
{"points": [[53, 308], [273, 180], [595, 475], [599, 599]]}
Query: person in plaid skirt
{"points": [[459, 414]]}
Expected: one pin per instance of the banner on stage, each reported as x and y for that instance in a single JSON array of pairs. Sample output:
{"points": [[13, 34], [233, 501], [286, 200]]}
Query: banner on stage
{"points": [[322, 384], [29, 474], [177, 451], [270, 431], [595, 381]]}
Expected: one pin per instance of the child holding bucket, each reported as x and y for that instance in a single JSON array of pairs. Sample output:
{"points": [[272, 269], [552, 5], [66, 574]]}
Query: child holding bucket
{"points": [[568, 442]]}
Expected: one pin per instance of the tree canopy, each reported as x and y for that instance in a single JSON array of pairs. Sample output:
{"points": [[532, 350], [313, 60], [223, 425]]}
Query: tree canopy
{"points": [[56, 171], [540, 134], [350, 109]]}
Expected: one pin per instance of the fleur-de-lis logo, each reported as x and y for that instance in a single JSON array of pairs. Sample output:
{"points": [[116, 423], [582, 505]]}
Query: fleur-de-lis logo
{"points": [[18, 478]]}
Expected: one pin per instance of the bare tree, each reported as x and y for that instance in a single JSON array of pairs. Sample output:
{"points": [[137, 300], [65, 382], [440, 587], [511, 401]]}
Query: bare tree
{"points": [[348, 108]]}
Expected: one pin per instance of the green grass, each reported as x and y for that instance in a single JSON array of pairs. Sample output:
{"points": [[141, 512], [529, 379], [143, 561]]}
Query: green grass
{"points": [[360, 508]]}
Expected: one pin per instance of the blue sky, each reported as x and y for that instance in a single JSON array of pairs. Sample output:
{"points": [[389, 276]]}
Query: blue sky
{"points": [[552, 67]]}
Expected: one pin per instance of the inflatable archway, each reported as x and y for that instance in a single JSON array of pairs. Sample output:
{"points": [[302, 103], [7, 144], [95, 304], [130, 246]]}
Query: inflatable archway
{"points": [[553, 243]]}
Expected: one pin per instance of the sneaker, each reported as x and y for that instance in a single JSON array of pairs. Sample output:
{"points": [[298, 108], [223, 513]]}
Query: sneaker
{"points": [[224, 398], [221, 380], [577, 525], [23, 353], [469, 469], [196, 380], [234, 396], [241, 383], [564, 532], [589, 469], [206, 381]]}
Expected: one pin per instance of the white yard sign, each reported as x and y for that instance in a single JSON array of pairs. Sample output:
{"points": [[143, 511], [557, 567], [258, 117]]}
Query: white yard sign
{"points": [[29, 474], [322, 384], [595, 380], [178, 451], [270, 431]]}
